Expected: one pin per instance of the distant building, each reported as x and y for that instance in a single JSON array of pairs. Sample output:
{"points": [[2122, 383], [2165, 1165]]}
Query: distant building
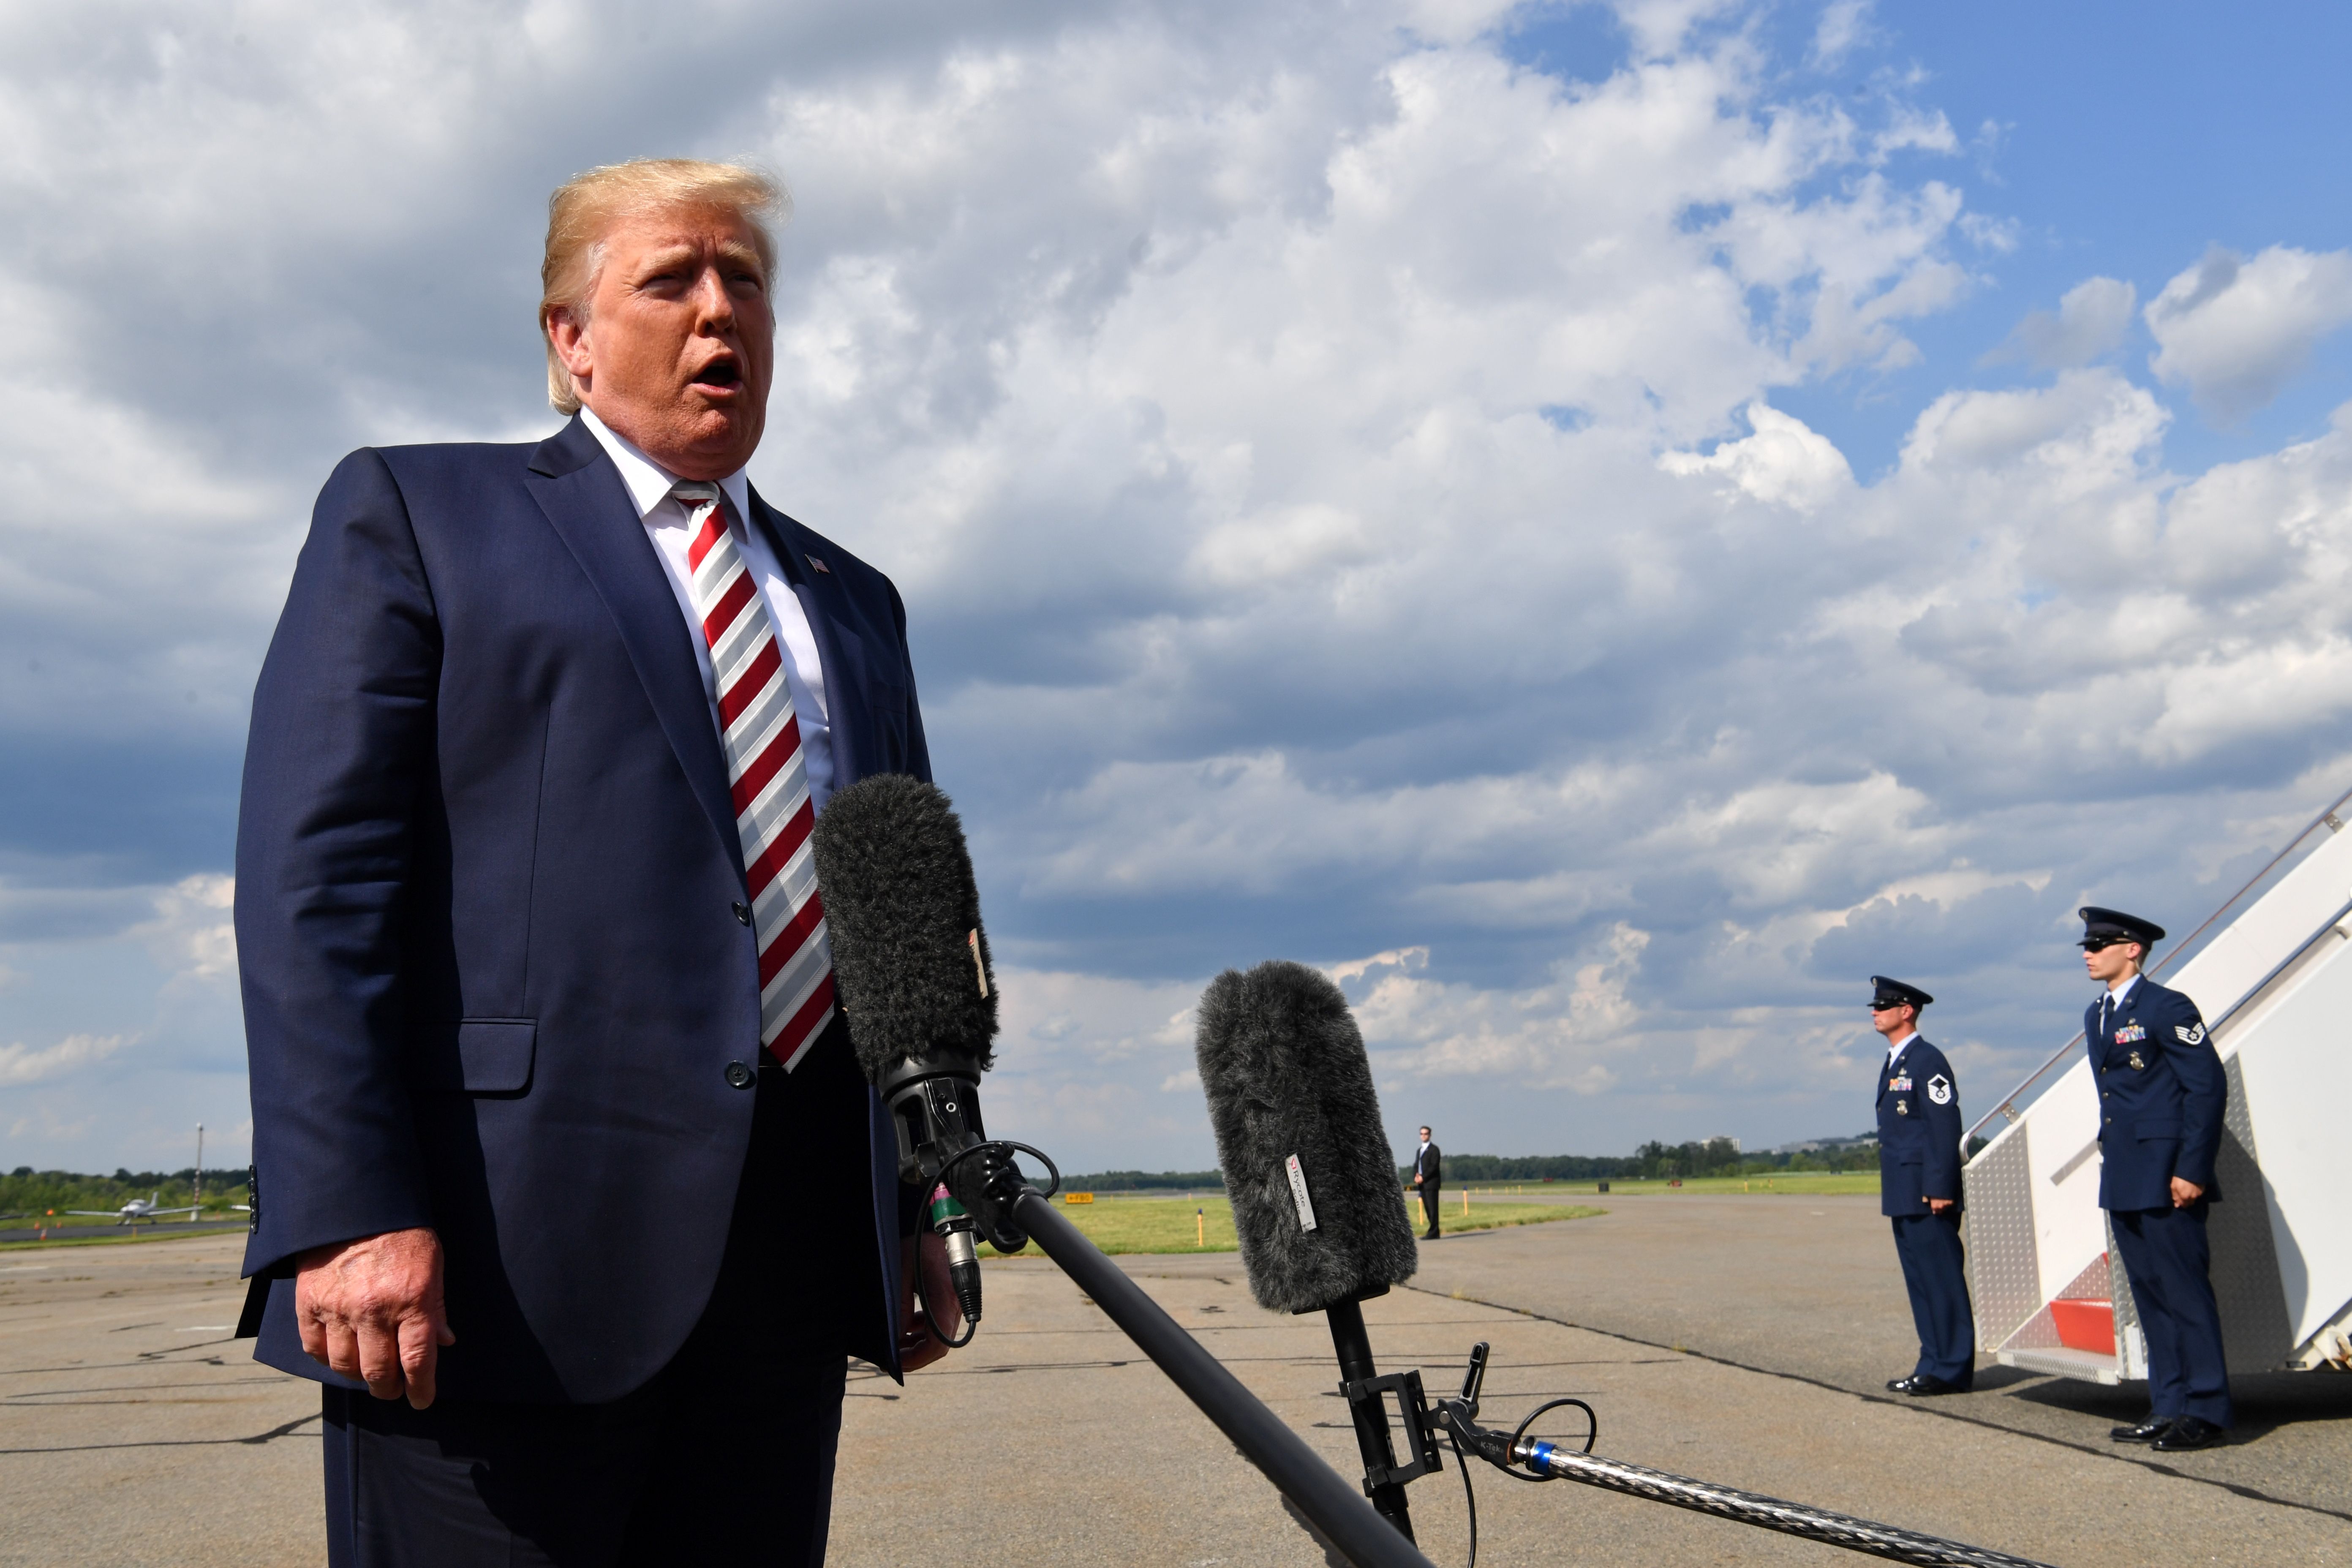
{"points": [[1825, 1145]]}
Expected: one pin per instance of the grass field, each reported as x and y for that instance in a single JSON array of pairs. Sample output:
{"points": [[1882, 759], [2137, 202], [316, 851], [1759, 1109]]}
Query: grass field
{"points": [[1854, 1184], [1118, 1224]]}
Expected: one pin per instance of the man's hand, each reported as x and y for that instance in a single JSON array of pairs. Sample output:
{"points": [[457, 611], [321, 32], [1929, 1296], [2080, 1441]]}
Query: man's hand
{"points": [[371, 1308], [1416, 1178], [1937, 1205], [917, 1348], [2185, 1193]]}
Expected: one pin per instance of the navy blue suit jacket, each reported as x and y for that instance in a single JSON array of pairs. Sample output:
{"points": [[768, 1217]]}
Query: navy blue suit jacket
{"points": [[2161, 1095], [487, 873], [1918, 1131]]}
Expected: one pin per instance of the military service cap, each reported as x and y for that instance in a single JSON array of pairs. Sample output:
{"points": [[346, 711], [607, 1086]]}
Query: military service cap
{"points": [[1894, 993], [2105, 927]]}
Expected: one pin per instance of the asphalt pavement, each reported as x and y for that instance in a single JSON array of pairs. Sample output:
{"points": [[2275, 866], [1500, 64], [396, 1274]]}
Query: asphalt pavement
{"points": [[1808, 1289], [1738, 1340]]}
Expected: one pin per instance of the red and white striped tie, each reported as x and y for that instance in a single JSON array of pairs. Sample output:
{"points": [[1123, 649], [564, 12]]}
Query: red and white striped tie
{"points": [[766, 773]]}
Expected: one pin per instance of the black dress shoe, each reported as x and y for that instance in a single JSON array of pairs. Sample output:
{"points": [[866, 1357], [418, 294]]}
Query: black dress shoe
{"points": [[2191, 1432], [1921, 1384], [2148, 1431]]}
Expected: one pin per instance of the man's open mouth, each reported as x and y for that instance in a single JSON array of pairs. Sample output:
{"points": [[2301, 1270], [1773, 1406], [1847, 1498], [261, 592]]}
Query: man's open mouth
{"points": [[720, 372]]}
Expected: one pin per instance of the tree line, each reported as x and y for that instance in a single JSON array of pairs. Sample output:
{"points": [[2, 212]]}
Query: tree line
{"points": [[1653, 1161], [27, 1191]]}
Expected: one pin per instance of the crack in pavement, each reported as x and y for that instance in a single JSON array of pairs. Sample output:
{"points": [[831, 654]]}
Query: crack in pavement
{"points": [[272, 1434]]}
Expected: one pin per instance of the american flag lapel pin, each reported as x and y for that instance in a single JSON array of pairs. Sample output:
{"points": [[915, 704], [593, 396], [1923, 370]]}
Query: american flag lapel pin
{"points": [[817, 564]]}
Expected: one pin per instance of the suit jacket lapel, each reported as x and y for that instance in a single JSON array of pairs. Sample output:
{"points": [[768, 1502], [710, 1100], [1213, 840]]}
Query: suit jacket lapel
{"points": [[581, 494], [838, 645]]}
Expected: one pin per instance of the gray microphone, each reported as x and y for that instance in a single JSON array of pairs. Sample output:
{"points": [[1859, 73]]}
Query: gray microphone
{"points": [[910, 969], [1315, 1197]]}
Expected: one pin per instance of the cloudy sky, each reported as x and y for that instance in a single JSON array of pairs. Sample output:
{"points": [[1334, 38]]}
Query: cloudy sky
{"points": [[1601, 525]]}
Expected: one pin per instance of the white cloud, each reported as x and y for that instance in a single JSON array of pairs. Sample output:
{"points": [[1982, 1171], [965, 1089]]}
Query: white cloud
{"points": [[2093, 320], [1783, 463], [1335, 475], [1845, 25], [23, 1064], [1560, 1035], [193, 934], [2235, 332]]}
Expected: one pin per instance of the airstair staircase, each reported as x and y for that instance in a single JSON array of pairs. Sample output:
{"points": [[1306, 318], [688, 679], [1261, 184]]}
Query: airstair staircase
{"points": [[2274, 985]]}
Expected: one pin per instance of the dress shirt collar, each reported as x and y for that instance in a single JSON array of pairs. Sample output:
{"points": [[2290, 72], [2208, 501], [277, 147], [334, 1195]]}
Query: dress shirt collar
{"points": [[1895, 1049], [650, 483], [2115, 997]]}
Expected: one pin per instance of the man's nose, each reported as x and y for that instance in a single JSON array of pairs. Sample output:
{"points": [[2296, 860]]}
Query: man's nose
{"points": [[713, 305]]}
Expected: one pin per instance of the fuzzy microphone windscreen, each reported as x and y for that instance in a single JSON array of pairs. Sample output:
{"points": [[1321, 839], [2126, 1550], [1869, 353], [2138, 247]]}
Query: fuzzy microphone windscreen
{"points": [[911, 960], [1306, 1164]]}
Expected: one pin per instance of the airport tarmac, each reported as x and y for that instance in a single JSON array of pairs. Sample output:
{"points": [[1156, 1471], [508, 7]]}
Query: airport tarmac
{"points": [[1808, 1289], [133, 1431]]}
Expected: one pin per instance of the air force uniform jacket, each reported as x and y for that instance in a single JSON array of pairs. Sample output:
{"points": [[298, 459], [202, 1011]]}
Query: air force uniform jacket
{"points": [[2161, 1096], [1918, 1131]]}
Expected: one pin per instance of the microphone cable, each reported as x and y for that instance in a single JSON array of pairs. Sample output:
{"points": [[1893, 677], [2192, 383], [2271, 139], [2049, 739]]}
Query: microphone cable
{"points": [[1462, 1459], [967, 1299]]}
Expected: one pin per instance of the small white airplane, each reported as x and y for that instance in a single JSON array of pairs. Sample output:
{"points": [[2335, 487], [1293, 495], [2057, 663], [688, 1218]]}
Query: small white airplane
{"points": [[136, 1209]]}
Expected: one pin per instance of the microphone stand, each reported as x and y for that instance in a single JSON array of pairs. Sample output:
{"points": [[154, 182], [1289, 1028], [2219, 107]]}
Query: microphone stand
{"points": [[1365, 1391], [1297, 1471]]}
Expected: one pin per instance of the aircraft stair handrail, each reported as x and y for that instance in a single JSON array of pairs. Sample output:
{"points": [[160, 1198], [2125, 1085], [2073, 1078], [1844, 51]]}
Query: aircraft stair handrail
{"points": [[2327, 927], [2327, 818]]}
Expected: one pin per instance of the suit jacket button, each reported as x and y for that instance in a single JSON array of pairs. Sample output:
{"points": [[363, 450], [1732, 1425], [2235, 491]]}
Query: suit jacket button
{"points": [[739, 1076], [742, 913]]}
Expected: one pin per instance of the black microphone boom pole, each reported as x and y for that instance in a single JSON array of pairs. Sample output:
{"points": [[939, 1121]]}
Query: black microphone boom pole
{"points": [[1329, 1503], [911, 969]]}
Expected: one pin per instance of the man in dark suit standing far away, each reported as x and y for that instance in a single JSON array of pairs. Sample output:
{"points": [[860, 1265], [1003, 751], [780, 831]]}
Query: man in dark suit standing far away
{"points": [[2162, 1093], [1427, 1175], [1919, 1189], [538, 999]]}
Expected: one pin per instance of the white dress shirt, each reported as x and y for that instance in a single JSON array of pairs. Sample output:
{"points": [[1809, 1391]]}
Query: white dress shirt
{"points": [[2114, 1001], [1895, 1050], [666, 525]]}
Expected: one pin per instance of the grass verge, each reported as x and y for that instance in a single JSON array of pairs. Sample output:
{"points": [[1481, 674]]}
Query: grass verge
{"points": [[1206, 1225]]}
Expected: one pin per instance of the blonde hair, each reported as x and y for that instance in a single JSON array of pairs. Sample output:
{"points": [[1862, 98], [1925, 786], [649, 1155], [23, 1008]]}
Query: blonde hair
{"points": [[583, 209]]}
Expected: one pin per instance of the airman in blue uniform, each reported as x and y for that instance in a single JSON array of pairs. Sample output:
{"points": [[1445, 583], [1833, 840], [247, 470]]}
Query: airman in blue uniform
{"points": [[2161, 1096], [1919, 1189]]}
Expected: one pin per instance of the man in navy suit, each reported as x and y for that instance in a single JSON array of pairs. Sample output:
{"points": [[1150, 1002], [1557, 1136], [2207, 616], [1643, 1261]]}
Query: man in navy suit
{"points": [[2161, 1096], [1919, 1189], [539, 1059], [1428, 1175]]}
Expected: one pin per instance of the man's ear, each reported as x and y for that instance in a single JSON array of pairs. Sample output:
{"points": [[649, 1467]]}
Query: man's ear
{"points": [[569, 336]]}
